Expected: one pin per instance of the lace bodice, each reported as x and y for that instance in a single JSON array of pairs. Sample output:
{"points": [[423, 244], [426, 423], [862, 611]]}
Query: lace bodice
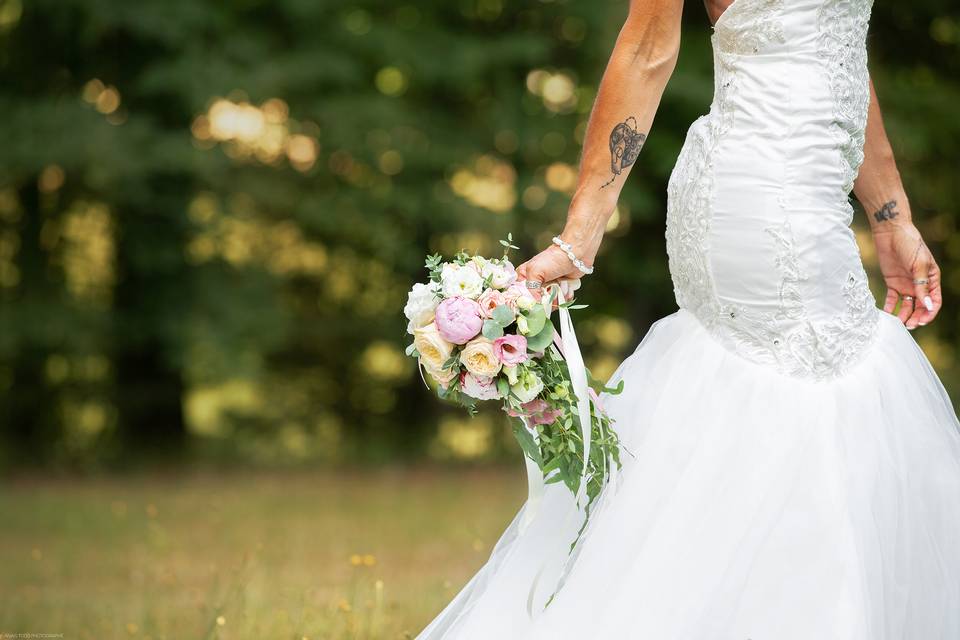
{"points": [[758, 214]]}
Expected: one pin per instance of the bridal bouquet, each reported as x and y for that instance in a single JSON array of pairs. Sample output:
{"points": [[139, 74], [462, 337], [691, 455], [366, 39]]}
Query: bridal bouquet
{"points": [[480, 335]]}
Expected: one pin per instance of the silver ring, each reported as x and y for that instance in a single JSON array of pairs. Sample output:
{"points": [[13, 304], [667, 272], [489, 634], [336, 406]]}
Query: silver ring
{"points": [[920, 281], [910, 298], [534, 284]]}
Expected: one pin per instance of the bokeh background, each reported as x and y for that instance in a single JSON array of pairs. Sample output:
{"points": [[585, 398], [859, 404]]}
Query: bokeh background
{"points": [[210, 214]]}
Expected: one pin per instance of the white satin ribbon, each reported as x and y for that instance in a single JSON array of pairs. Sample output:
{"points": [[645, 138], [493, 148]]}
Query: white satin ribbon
{"points": [[578, 380], [535, 481], [536, 484]]}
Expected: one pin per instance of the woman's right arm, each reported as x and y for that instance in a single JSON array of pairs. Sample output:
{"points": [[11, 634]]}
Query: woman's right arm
{"points": [[642, 62]]}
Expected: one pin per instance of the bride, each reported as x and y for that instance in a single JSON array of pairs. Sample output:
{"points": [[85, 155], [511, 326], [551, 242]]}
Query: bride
{"points": [[794, 467]]}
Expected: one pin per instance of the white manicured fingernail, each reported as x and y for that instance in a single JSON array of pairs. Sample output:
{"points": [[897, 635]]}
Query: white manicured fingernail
{"points": [[928, 303]]}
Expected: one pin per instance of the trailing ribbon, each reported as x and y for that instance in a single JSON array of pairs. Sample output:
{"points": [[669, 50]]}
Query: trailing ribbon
{"points": [[569, 348], [578, 380]]}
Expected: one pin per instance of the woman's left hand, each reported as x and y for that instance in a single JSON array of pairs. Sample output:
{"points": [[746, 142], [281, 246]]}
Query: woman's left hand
{"points": [[906, 263]]}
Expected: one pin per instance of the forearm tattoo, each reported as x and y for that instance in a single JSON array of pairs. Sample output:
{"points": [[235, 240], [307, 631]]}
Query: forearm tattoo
{"points": [[888, 211], [625, 144]]}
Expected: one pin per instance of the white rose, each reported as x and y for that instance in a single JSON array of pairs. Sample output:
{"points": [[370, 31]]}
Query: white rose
{"points": [[479, 359], [461, 281], [422, 301], [479, 387], [501, 275], [433, 349], [528, 387], [480, 264]]}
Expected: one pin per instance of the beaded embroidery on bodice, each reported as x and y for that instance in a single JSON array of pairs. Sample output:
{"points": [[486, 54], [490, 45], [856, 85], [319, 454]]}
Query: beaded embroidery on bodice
{"points": [[770, 167]]}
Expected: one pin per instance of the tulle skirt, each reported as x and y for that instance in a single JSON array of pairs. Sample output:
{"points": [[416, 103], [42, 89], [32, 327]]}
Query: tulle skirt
{"points": [[751, 506]]}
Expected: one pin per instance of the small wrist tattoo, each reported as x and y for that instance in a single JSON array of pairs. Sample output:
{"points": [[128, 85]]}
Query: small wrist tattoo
{"points": [[887, 212], [625, 144]]}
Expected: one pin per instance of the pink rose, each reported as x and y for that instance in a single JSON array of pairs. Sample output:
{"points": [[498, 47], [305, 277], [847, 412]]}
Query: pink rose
{"points": [[479, 387], [458, 319], [510, 349], [490, 300], [536, 412], [518, 291]]}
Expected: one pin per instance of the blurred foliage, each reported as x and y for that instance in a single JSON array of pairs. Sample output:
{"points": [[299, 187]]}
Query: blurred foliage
{"points": [[210, 212]]}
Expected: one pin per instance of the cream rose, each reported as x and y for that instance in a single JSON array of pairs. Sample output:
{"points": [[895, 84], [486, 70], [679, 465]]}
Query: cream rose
{"points": [[443, 376], [433, 349], [479, 358]]}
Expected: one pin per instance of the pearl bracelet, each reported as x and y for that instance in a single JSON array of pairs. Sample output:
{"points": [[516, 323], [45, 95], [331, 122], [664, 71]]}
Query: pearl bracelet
{"points": [[568, 249]]}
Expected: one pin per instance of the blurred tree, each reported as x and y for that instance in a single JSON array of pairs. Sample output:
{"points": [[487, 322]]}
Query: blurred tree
{"points": [[211, 211]]}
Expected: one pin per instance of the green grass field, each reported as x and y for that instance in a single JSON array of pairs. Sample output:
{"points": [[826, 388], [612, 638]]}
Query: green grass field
{"points": [[236, 555]]}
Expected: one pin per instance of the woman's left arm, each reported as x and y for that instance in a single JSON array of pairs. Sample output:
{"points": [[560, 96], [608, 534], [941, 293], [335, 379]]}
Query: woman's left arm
{"points": [[909, 270]]}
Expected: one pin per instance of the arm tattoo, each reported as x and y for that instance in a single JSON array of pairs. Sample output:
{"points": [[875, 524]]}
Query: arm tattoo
{"points": [[625, 144], [887, 212]]}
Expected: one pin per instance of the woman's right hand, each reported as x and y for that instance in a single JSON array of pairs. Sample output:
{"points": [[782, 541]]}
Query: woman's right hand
{"points": [[550, 266]]}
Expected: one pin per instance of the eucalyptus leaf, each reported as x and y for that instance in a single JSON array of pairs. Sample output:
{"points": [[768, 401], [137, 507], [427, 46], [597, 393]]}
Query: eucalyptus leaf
{"points": [[536, 318], [492, 330], [542, 339], [503, 315]]}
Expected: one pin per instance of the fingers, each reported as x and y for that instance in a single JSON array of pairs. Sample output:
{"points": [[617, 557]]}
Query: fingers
{"points": [[569, 287], [925, 279], [921, 278], [935, 293], [890, 303], [918, 318], [906, 308], [522, 271]]}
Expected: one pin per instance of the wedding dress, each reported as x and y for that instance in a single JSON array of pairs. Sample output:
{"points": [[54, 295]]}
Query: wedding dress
{"points": [[794, 461]]}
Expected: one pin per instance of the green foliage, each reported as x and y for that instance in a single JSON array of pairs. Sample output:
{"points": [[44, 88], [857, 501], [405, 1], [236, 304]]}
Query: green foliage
{"points": [[492, 329], [542, 339]]}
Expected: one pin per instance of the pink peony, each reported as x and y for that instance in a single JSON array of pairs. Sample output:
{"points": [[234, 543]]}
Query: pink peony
{"points": [[510, 349], [479, 387], [536, 411], [490, 300], [458, 319]]}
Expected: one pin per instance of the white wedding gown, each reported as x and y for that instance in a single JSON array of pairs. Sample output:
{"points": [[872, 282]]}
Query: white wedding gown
{"points": [[795, 467]]}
